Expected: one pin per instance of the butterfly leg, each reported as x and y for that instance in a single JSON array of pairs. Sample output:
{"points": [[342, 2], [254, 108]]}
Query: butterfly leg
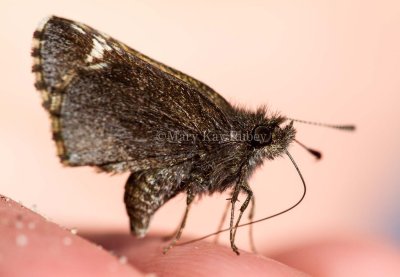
{"points": [[245, 188], [251, 217], [174, 233], [221, 223], [234, 198], [170, 236], [178, 234]]}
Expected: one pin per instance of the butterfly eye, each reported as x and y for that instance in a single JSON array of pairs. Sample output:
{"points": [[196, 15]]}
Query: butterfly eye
{"points": [[261, 136]]}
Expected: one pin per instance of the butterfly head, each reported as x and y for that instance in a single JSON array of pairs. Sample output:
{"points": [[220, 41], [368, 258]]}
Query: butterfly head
{"points": [[272, 138]]}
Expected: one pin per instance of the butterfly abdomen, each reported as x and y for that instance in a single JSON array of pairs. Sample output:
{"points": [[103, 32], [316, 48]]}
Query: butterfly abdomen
{"points": [[146, 192]]}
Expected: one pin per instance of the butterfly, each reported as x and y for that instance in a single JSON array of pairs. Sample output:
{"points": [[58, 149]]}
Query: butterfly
{"points": [[115, 109]]}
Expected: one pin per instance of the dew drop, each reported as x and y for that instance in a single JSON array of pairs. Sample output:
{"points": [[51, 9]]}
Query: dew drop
{"points": [[31, 225], [74, 231], [123, 259], [19, 225], [67, 241], [21, 240]]}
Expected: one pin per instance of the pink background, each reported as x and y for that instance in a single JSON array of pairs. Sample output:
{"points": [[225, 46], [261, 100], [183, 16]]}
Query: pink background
{"points": [[328, 61]]}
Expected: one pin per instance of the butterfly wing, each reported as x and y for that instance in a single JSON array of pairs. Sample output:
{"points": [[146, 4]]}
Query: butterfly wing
{"points": [[116, 109]]}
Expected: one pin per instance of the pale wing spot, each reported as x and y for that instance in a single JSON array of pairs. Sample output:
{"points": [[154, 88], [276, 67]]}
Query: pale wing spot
{"points": [[55, 103], [79, 29], [99, 46], [97, 50], [36, 60], [104, 35], [117, 48], [97, 66], [38, 75], [42, 23], [45, 95], [55, 125], [103, 42], [35, 43], [60, 148], [89, 58]]}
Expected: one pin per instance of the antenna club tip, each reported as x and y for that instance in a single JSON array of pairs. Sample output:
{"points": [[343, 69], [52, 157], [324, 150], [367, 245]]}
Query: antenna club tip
{"points": [[316, 154], [349, 127]]}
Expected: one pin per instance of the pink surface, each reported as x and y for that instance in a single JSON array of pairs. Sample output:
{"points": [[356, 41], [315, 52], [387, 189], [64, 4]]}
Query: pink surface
{"points": [[33, 246], [329, 61]]}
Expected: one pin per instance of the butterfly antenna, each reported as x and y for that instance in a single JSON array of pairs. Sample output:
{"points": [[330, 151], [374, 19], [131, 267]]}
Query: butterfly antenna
{"points": [[334, 126], [265, 218], [317, 154]]}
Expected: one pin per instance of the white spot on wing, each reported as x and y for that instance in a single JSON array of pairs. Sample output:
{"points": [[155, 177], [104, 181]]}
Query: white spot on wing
{"points": [[117, 48], [98, 66], [99, 46], [97, 50], [79, 29]]}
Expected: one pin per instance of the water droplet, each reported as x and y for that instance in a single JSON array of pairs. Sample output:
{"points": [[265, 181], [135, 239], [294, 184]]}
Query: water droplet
{"points": [[123, 259], [21, 240], [19, 225], [31, 225], [74, 231], [67, 241], [7, 199]]}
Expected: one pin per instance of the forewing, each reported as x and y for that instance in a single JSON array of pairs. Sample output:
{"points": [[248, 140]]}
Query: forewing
{"points": [[200, 86], [115, 108]]}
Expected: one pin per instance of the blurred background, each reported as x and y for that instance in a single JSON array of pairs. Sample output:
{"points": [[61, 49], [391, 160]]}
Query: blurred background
{"points": [[327, 61]]}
